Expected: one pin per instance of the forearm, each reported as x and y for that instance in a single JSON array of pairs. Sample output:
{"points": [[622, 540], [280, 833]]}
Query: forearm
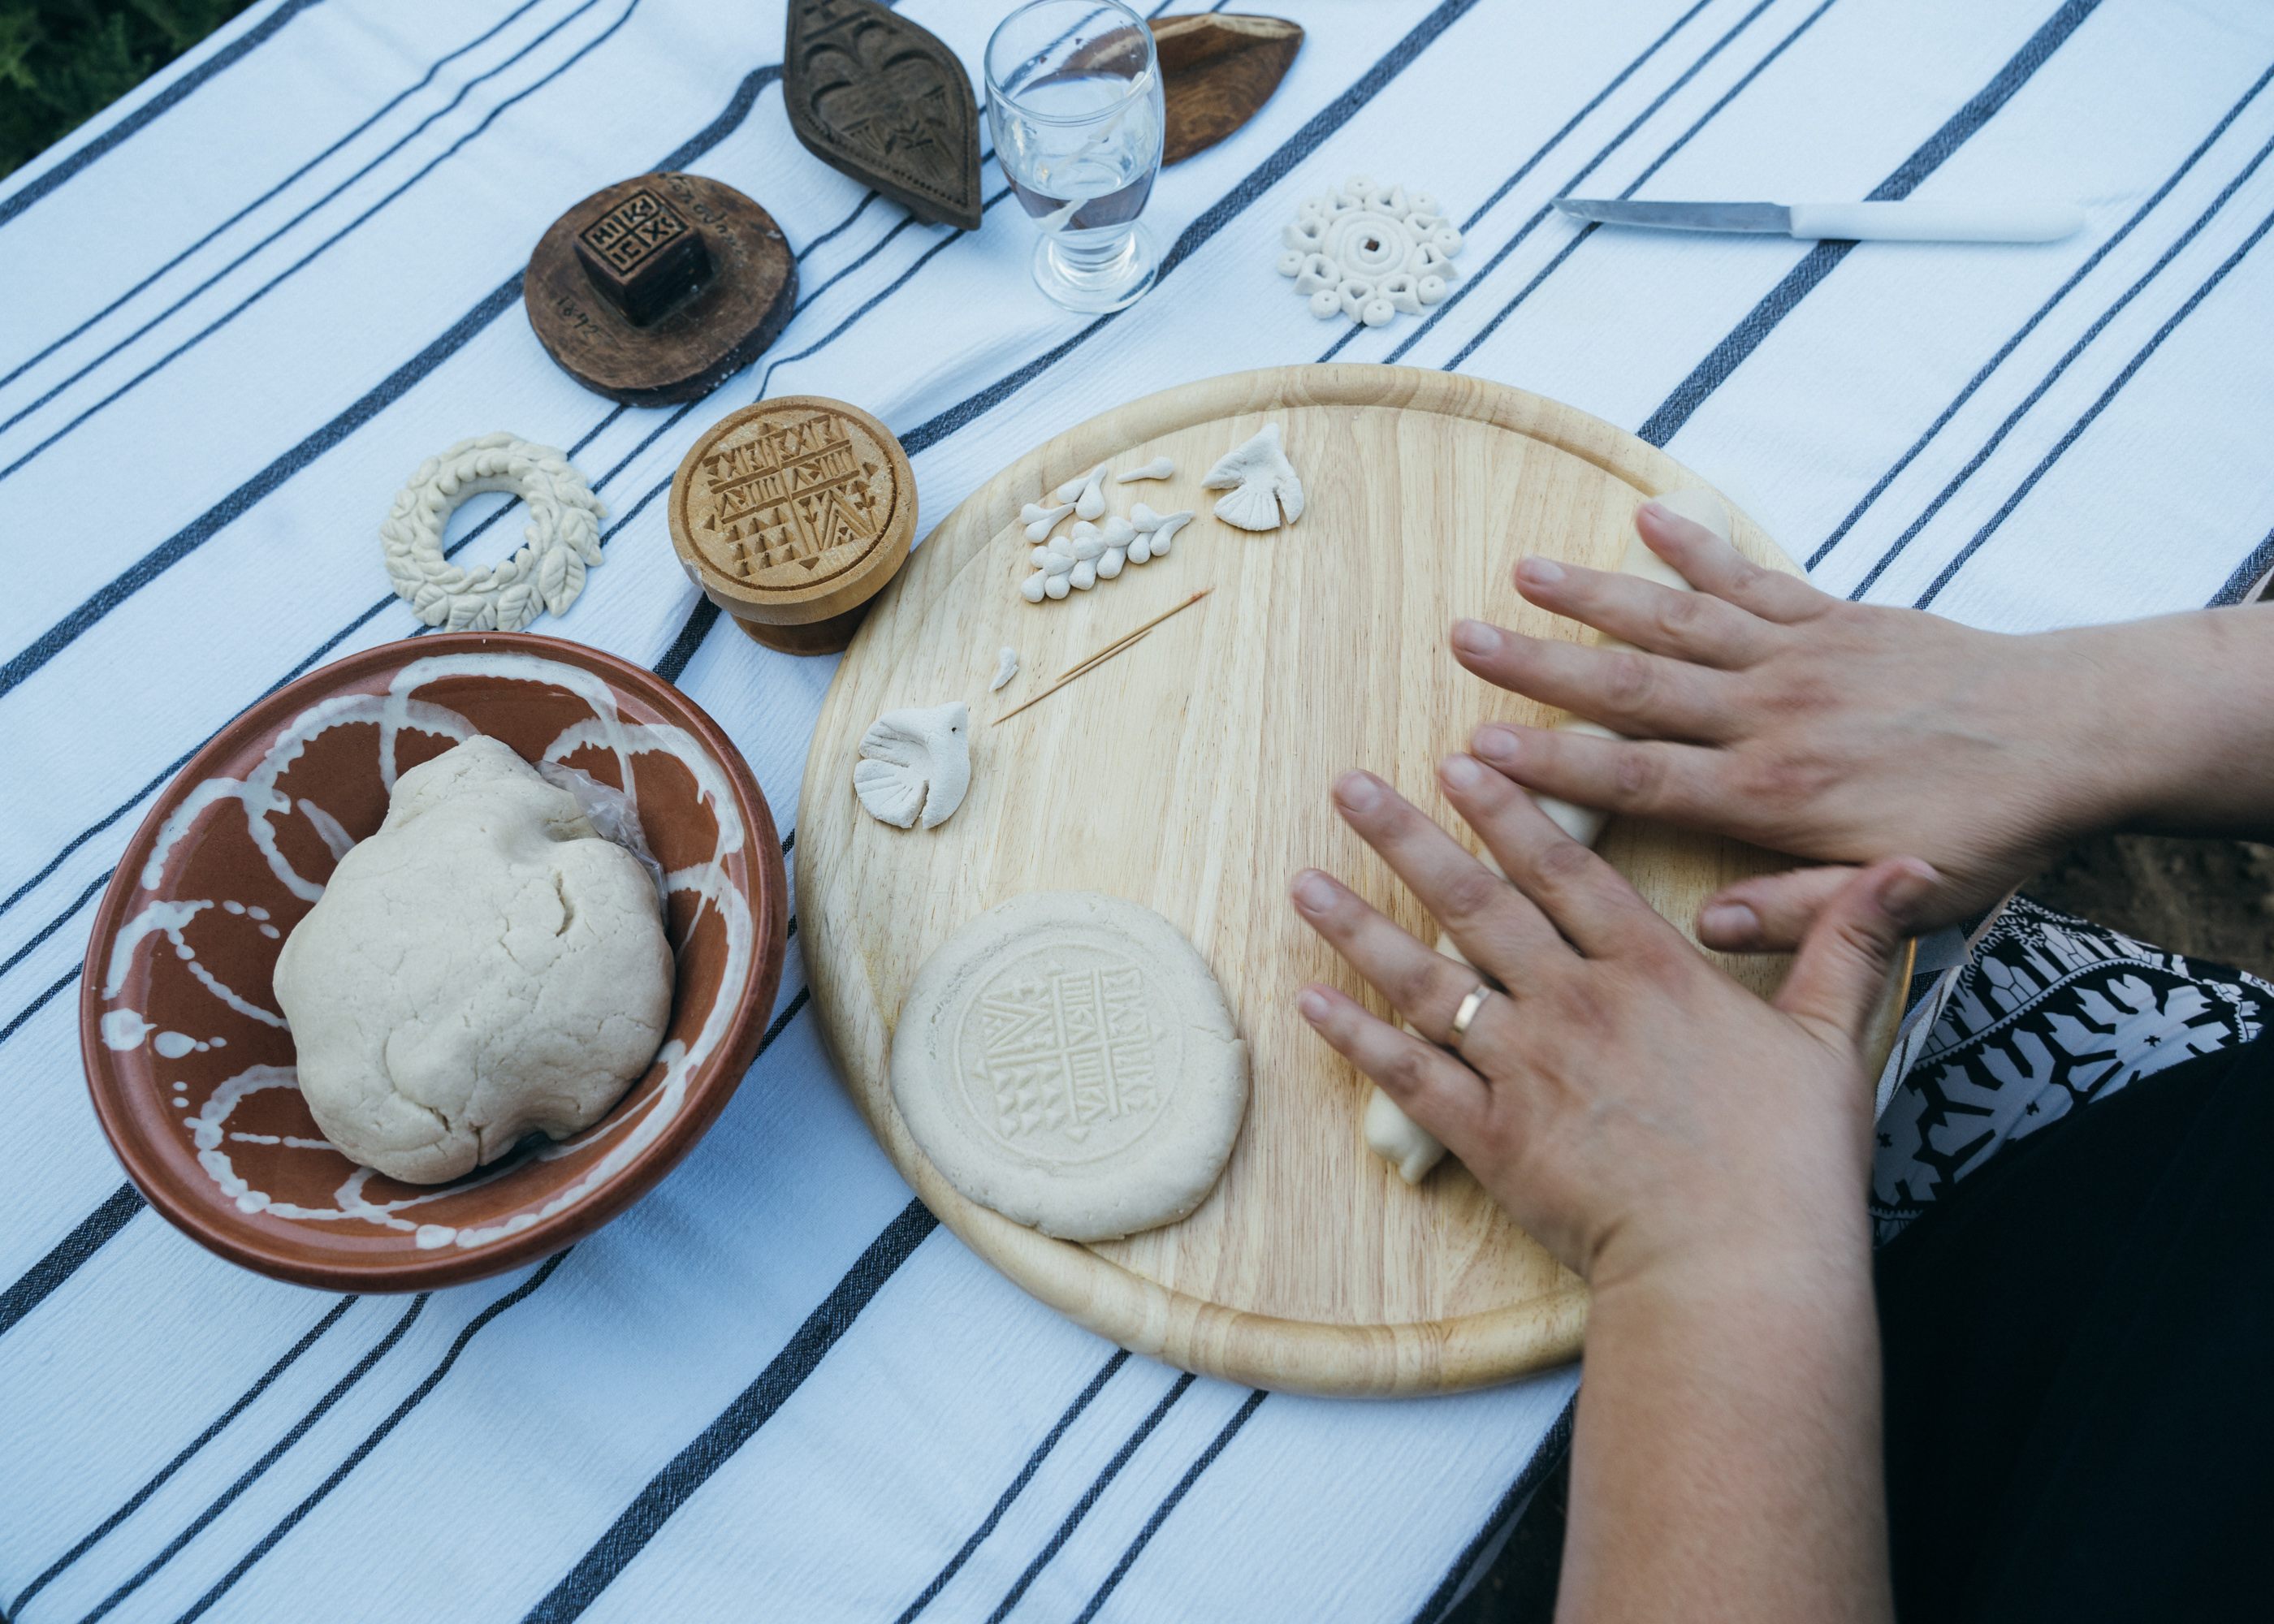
{"points": [[2170, 725], [1726, 1462]]}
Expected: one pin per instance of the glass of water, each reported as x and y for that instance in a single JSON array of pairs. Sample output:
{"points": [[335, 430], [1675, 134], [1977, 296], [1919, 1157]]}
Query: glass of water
{"points": [[1074, 99]]}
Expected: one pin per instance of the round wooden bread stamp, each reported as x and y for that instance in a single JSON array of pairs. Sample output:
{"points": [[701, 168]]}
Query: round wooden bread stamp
{"points": [[791, 515], [659, 287]]}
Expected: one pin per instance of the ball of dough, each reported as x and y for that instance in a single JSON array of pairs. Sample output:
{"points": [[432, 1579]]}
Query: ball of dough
{"points": [[484, 966], [1067, 1060]]}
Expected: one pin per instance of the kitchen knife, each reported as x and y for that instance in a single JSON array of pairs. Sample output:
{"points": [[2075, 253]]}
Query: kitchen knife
{"points": [[1886, 223]]}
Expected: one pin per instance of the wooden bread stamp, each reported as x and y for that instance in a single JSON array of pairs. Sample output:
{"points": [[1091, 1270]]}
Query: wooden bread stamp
{"points": [[873, 94], [791, 515], [659, 287]]}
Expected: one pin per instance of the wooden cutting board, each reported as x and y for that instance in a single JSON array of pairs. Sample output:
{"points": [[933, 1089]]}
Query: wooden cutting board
{"points": [[1191, 774]]}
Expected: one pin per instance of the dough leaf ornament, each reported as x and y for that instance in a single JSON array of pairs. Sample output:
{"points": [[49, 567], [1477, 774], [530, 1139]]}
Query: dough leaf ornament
{"points": [[1369, 252], [916, 762], [1262, 482], [562, 540], [872, 93]]}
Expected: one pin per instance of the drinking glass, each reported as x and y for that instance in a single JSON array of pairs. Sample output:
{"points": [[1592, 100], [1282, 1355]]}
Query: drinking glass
{"points": [[1073, 98]]}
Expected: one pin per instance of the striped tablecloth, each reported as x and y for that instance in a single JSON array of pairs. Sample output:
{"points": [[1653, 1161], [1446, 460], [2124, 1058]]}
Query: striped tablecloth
{"points": [[238, 309]]}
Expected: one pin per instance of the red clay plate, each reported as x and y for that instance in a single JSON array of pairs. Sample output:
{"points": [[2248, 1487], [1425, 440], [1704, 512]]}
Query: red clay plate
{"points": [[191, 1066]]}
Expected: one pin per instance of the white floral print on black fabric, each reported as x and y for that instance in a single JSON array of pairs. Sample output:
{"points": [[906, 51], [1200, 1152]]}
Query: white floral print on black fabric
{"points": [[2050, 1014]]}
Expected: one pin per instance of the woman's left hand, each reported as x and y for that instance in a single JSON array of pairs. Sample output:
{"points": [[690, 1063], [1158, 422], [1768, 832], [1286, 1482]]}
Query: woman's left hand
{"points": [[1631, 1105]]}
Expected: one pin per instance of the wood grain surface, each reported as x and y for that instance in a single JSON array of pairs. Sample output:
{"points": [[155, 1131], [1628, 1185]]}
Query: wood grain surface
{"points": [[1217, 69], [1191, 774]]}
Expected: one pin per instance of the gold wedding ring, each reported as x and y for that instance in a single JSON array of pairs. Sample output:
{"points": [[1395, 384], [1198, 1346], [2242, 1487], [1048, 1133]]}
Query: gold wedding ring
{"points": [[1466, 1014]]}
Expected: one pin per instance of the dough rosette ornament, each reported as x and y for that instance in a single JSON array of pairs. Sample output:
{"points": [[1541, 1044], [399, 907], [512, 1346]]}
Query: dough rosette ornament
{"points": [[561, 539], [1369, 252]]}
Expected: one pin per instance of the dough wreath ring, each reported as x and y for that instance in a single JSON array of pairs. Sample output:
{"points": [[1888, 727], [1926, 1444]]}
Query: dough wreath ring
{"points": [[560, 541], [1190, 774]]}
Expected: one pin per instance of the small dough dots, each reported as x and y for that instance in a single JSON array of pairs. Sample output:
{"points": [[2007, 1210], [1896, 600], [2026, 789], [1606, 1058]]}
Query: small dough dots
{"points": [[483, 967], [1066, 1059]]}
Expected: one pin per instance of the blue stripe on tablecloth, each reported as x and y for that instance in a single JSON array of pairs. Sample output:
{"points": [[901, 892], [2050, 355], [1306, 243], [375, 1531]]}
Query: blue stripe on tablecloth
{"points": [[134, 1501], [393, 101], [1207, 1458], [2092, 412], [34, 1285], [304, 260], [247, 496], [1042, 1451], [2053, 373], [222, 1502], [1090, 1497], [2030, 326], [1551, 1449], [1472, 280], [689, 1470], [128, 127], [1633, 186], [2249, 574], [1820, 261], [371, 1441]]}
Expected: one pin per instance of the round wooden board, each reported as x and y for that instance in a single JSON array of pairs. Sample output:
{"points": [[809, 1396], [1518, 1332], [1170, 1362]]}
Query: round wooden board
{"points": [[1191, 774]]}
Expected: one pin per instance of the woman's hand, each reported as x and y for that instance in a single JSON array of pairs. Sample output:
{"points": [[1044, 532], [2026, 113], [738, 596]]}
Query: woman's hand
{"points": [[1761, 708], [1631, 1106]]}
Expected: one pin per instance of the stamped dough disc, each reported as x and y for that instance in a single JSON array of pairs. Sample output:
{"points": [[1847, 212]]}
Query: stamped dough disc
{"points": [[1067, 1059]]}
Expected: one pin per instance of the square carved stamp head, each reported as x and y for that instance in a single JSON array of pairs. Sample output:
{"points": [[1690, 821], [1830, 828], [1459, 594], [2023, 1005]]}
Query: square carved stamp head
{"points": [[643, 256]]}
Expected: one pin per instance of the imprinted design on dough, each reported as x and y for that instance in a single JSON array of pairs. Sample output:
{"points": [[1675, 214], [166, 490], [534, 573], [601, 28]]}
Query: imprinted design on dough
{"points": [[916, 762], [1260, 481], [562, 540], [1066, 1059], [1369, 252]]}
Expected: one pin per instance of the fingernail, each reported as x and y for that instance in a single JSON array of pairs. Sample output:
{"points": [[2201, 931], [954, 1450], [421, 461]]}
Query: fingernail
{"points": [[1495, 743], [1462, 771], [1540, 571], [1904, 892], [1655, 508], [1359, 791], [1476, 637], [1313, 890], [1731, 921], [1313, 1005]]}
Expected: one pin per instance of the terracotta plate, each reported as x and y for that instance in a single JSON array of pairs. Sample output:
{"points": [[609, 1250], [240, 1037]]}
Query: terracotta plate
{"points": [[191, 1066]]}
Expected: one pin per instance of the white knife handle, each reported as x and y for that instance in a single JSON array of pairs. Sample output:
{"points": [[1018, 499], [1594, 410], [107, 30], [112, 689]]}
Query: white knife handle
{"points": [[1938, 222]]}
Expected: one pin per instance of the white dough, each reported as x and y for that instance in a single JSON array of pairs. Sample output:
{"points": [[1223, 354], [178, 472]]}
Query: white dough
{"points": [[1066, 1059], [1261, 484], [1367, 252], [483, 967], [561, 541], [1389, 1132], [1007, 666], [1159, 468], [917, 761]]}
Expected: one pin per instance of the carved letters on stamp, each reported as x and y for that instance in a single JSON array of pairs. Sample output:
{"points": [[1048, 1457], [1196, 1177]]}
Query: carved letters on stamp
{"points": [[790, 499]]}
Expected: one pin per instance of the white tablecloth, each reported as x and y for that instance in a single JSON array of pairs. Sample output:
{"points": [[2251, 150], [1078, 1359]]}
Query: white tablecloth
{"points": [[239, 308]]}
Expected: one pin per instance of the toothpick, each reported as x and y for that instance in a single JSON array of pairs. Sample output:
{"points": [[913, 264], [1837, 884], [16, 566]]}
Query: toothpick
{"points": [[1104, 654]]}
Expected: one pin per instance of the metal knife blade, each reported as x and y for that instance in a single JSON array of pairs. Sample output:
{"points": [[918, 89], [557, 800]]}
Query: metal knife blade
{"points": [[1771, 217]]}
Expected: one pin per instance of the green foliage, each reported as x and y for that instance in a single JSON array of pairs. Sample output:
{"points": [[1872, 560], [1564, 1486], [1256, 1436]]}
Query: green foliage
{"points": [[64, 61]]}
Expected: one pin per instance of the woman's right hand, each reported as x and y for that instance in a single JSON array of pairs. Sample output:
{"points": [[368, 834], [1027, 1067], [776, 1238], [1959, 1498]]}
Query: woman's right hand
{"points": [[1761, 708]]}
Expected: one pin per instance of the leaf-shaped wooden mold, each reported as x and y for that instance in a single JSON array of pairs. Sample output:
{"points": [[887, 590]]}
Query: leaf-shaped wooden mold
{"points": [[1217, 69], [873, 94]]}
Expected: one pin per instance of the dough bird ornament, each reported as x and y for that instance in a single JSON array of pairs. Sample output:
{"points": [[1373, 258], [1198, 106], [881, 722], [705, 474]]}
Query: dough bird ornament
{"points": [[1389, 1132], [916, 762], [1261, 489]]}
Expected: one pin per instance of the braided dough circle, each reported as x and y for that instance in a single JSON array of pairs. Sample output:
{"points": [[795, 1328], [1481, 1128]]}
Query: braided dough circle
{"points": [[562, 540]]}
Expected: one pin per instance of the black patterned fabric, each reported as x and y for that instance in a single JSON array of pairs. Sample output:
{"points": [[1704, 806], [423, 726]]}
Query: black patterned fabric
{"points": [[2049, 1014]]}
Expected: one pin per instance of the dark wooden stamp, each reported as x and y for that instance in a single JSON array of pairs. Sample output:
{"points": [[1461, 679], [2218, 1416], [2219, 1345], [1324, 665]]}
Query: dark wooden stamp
{"points": [[643, 256], [873, 94]]}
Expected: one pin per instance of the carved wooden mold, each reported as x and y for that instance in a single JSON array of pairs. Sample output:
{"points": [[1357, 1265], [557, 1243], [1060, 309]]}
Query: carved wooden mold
{"points": [[873, 94], [659, 287], [1217, 69]]}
